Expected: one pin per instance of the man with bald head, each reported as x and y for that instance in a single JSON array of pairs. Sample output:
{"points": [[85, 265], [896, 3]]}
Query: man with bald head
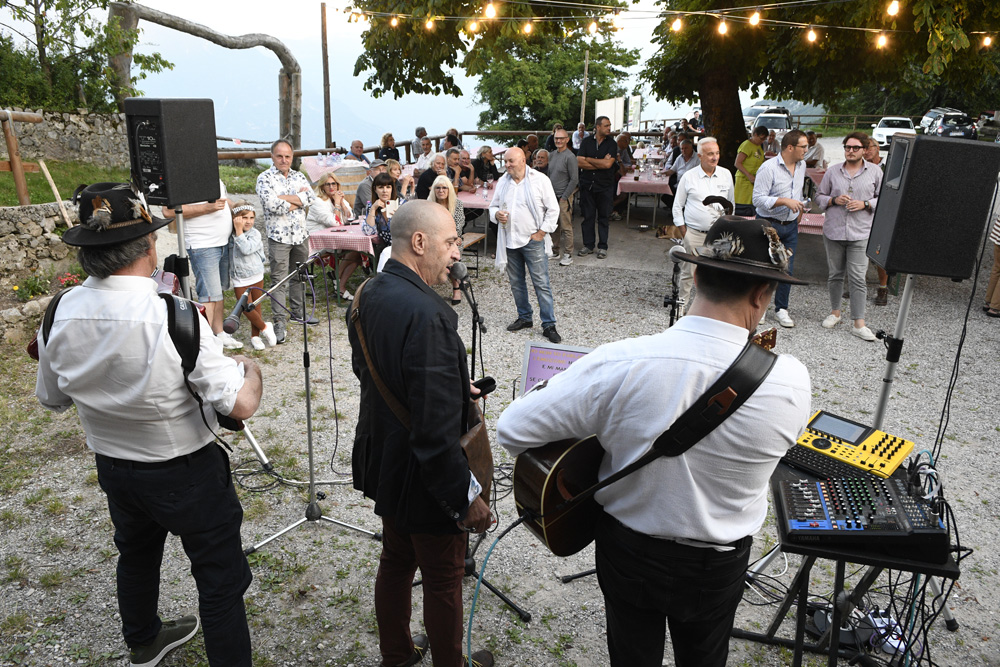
{"points": [[357, 152], [416, 472]]}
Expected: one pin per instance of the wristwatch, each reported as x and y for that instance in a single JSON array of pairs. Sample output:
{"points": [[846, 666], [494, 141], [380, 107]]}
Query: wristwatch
{"points": [[868, 206]]}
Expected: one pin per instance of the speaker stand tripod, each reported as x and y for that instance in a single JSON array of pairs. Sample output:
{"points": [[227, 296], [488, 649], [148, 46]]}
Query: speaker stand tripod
{"points": [[313, 511]]}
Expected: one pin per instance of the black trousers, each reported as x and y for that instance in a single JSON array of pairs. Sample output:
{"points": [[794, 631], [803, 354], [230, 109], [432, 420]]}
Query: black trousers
{"points": [[596, 206], [649, 583], [192, 497]]}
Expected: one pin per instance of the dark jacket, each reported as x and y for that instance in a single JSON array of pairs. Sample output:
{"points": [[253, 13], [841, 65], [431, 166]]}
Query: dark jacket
{"points": [[425, 182], [481, 169], [420, 477]]}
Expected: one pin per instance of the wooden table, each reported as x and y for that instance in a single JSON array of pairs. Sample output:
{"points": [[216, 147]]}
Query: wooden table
{"points": [[647, 184]]}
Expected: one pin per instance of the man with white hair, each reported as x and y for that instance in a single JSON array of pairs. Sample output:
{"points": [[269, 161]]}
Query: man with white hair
{"points": [[416, 146], [692, 215]]}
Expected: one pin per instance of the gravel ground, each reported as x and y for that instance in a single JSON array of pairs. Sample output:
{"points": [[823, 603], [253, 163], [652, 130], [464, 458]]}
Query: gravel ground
{"points": [[311, 599]]}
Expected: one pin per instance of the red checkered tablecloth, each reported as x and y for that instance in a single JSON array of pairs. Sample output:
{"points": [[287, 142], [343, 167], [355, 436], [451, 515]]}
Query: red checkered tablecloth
{"points": [[347, 237]]}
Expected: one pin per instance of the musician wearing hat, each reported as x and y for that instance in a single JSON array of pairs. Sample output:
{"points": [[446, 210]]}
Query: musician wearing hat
{"points": [[673, 542], [109, 353]]}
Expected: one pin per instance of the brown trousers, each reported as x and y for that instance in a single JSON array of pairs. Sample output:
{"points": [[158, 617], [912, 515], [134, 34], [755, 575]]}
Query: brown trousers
{"points": [[441, 559]]}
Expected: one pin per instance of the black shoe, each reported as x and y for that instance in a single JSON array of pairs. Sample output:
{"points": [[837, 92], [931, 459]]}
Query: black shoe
{"points": [[482, 658], [552, 334], [519, 324], [312, 320], [172, 634], [420, 644]]}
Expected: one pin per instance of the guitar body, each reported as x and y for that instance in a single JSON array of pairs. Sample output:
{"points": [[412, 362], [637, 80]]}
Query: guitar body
{"points": [[545, 478]]}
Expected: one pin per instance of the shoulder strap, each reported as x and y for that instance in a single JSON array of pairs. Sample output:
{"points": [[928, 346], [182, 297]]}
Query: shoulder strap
{"points": [[723, 398], [184, 330], [402, 414], [50, 313]]}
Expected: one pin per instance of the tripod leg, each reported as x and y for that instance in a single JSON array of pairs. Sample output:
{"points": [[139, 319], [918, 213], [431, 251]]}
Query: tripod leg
{"points": [[524, 616], [374, 536], [261, 456], [949, 618], [250, 550], [579, 575]]}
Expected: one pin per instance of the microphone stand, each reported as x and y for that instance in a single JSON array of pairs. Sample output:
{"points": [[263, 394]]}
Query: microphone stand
{"points": [[313, 511], [672, 300], [477, 319]]}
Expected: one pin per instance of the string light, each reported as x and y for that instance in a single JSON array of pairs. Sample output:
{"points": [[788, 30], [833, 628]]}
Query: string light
{"points": [[616, 22], [755, 18], [473, 26], [394, 22], [676, 25], [882, 41], [528, 28], [893, 8], [491, 11], [987, 40], [592, 28], [811, 35], [723, 28], [430, 24]]}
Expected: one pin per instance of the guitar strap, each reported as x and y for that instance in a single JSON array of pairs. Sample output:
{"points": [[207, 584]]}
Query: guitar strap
{"points": [[402, 414], [720, 400]]}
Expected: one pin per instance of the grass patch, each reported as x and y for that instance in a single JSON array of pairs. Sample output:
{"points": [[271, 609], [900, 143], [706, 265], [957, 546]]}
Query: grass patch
{"points": [[68, 175], [15, 623], [16, 569], [52, 579]]}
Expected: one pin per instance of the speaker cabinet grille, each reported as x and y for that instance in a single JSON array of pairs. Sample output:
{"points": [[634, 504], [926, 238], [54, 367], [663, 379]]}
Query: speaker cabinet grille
{"points": [[934, 205]]}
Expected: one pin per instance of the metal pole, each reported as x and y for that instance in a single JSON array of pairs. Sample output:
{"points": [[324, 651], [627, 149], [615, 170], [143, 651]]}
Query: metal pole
{"points": [[182, 252], [583, 103], [326, 78], [892, 360]]}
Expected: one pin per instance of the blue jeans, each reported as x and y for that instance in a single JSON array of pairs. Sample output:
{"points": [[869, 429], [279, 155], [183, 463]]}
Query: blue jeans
{"points": [[789, 235], [533, 257], [192, 497], [210, 267]]}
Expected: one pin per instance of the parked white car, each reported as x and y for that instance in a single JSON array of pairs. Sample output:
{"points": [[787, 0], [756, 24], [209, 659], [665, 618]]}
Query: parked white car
{"points": [[884, 129]]}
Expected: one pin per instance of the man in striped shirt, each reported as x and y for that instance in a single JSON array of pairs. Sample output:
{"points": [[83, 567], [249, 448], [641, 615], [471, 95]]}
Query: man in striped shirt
{"points": [[849, 192]]}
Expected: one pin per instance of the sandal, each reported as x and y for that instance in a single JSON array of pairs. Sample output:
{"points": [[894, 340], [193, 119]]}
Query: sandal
{"points": [[992, 313]]}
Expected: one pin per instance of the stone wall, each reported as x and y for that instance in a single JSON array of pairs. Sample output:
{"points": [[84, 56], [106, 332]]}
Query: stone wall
{"points": [[27, 237], [93, 138]]}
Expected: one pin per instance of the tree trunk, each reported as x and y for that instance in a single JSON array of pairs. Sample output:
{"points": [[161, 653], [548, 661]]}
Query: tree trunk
{"points": [[43, 56], [121, 64], [290, 104], [720, 106]]}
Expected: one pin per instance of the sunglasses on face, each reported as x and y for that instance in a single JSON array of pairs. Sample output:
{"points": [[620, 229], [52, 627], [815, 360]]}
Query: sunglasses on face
{"points": [[854, 148]]}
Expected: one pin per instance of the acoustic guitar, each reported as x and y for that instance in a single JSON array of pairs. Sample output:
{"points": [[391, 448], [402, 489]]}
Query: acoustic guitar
{"points": [[547, 478]]}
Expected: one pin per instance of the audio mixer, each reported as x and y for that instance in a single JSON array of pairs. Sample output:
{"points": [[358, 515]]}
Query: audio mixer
{"points": [[863, 447]]}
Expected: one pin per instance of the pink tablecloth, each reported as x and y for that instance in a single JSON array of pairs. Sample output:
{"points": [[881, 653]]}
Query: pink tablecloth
{"points": [[815, 174], [348, 237], [647, 184], [475, 200]]}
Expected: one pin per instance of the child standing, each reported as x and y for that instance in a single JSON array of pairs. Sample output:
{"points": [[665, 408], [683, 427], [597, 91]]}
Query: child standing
{"points": [[248, 271]]}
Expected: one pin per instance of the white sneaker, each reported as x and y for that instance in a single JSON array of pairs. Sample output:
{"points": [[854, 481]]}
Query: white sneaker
{"points": [[831, 321], [257, 343], [864, 333], [783, 318], [228, 342], [347, 296], [763, 318], [566, 260], [269, 336]]}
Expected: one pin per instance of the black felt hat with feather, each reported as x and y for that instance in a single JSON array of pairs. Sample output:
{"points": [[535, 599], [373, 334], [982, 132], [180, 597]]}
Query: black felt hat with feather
{"points": [[110, 213]]}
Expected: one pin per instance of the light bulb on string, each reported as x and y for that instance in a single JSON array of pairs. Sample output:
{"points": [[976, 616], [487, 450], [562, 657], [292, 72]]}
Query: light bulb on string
{"points": [[528, 28], [430, 24], [394, 22], [755, 18], [676, 25], [987, 40], [592, 28], [491, 11], [882, 41], [723, 28], [893, 8], [616, 21], [811, 35], [473, 26]]}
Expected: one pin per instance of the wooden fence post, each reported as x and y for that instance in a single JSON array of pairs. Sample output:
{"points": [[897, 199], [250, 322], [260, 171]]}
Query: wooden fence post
{"points": [[16, 168]]}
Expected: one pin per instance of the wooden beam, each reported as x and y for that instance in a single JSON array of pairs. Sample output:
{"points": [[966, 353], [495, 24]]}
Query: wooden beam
{"points": [[55, 191], [22, 116], [20, 184], [29, 167]]}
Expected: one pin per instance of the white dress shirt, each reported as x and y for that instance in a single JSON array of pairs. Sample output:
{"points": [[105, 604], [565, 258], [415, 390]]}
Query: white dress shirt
{"points": [[526, 218], [631, 391], [424, 161], [110, 354], [692, 188]]}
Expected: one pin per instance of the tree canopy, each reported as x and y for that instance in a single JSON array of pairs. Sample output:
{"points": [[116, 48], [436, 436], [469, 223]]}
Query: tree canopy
{"points": [[535, 84], [62, 63]]}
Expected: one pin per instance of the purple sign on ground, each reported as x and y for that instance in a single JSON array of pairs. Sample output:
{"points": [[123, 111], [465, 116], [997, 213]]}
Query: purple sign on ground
{"points": [[544, 360]]}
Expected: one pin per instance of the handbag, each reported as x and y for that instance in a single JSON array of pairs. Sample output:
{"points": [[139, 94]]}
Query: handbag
{"points": [[475, 442]]}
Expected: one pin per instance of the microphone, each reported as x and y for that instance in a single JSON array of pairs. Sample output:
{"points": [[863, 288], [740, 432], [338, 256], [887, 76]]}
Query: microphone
{"points": [[674, 251], [459, 272], [232, 323]]}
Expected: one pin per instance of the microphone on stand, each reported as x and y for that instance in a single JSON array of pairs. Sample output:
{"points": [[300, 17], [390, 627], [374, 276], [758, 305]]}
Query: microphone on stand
{"points": [[232, 323], [460, 272], [673, 253]]}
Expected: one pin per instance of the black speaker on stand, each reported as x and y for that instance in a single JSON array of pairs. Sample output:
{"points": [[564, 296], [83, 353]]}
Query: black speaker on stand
{"points": [[934, 205], [174, 158]]}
